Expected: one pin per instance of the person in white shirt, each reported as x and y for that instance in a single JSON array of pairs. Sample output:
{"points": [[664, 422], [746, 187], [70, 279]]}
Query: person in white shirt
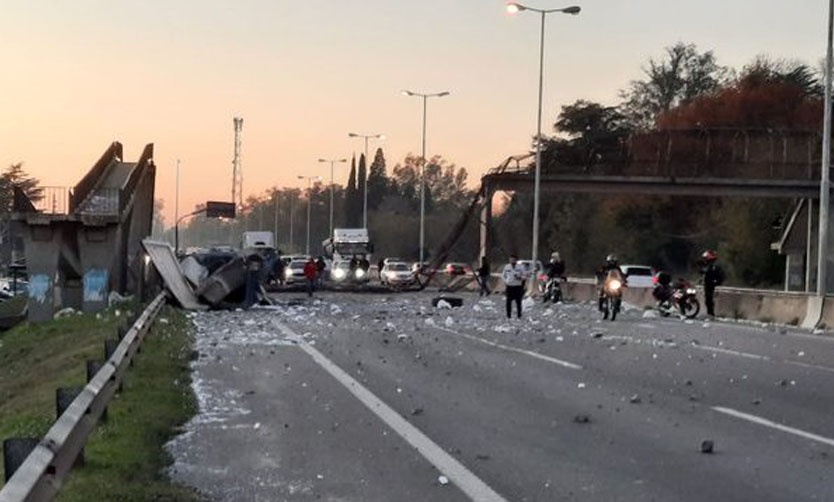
{"points": [[513, 276]]}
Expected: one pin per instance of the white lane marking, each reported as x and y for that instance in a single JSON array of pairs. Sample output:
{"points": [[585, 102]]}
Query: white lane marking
{"points": [[530, 353], [764, 358], [732, 352], [470, 484], [774, 425], [811, 366]]}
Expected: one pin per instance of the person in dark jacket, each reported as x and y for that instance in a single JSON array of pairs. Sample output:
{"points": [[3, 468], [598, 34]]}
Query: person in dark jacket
{"points": [[321, 266], [713, 276], [483, 277], [556, 267]]}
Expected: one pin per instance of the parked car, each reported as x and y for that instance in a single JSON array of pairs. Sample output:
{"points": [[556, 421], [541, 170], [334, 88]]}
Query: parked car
{"points": [[396, 274], [638, 276], [454, 268], [417, 266]]}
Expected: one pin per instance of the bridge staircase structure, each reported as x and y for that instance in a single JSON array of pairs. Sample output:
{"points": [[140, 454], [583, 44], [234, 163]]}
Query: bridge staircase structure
{"points": [[84, 242]]}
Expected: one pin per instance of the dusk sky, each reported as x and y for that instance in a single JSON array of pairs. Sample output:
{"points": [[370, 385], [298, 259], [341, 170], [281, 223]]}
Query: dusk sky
{"points": [[79, 74]]}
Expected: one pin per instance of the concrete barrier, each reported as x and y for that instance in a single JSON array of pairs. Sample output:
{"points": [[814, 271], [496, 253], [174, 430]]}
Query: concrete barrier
{"points": [[734, 303]]}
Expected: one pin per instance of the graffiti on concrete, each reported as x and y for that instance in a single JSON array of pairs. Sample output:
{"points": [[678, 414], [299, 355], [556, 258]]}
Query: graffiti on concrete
{"points": [[40, 286], [95, 285]]}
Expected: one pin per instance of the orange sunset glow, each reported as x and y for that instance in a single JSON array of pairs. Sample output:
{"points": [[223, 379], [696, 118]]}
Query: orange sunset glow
{"points": [[78, 75]]}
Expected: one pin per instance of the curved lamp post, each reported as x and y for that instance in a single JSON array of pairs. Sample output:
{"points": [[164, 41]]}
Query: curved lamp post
{"points": [[512, 8], [423, 166]]}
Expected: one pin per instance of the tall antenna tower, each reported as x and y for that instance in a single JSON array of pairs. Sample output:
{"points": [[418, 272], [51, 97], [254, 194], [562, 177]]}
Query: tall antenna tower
{"points": [[237, 170]]}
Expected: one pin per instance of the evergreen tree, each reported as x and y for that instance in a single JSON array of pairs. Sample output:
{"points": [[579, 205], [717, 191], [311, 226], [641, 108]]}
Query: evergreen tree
{"points": [[377, 181], [14, 176], [350, 196], [361, 183]]}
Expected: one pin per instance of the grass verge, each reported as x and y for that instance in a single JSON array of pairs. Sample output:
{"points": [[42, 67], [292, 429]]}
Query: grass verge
{"points": [[36, 359], [125, 457]]}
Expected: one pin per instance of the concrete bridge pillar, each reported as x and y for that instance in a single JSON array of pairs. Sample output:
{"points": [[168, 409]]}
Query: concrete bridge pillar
{"points": [[43, 244], [484, 223], [100, 250]]}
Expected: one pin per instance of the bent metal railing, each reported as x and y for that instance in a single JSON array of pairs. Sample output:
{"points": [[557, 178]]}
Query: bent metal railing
{"points": [[41, 474]]}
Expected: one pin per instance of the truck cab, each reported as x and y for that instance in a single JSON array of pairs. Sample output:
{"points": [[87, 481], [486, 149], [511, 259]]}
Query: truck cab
{"points": [[350, 251]]}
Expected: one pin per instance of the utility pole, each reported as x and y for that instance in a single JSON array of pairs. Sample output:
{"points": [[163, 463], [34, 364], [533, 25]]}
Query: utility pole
{"points": [[826, 162], [237, 169]]}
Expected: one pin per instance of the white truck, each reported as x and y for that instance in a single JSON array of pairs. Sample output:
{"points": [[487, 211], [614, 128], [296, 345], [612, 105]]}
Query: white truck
{"points": [[350, 251], [258, 240]]}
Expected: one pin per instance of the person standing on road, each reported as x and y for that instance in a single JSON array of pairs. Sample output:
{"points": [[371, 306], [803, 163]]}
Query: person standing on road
{"points": [[483, 277], [310, 273], [712, 276], [513, 276], [321, 266]]}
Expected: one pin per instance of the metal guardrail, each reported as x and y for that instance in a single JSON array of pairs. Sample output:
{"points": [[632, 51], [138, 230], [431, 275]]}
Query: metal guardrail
{"points": [[40, 476]]}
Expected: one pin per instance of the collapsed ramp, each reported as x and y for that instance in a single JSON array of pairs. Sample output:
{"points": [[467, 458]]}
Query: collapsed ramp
{"points": [[479, 202], [162, 256]]}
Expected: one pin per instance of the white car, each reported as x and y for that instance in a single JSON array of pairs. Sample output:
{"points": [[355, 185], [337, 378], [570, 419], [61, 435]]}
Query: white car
{"points": [[638, 276], [396, 273], [294, 272], [527, 264]]}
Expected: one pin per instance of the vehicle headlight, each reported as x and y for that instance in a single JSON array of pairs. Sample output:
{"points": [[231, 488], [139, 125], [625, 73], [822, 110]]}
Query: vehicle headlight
{"points": [[339, 273], [287, 272], [691, 291], [614, 285], [360, 273]]}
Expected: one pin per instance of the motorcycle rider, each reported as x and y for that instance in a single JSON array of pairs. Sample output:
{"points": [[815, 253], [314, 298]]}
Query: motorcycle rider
{"points": [[713, 276], [611, 265], [664, 289], [555, 269]]}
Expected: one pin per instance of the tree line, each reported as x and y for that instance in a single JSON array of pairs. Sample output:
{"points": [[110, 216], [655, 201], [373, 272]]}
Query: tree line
{"points": [[393, 210], [684, 89]]}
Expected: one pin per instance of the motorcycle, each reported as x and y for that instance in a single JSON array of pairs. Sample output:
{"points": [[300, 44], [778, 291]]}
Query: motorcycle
{"points": [[612, 295], [682, 300], [551, 289]]}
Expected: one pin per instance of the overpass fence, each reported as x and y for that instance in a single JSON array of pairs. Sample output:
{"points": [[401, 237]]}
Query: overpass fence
{"points": [[35, 468]]}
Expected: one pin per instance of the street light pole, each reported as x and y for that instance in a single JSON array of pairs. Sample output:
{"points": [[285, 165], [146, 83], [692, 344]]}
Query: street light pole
{"points": [[292, 217], [309, 206], [177, 210], [826, 161], [333, 161], [423, 168], [513, 8], [367, 171]]}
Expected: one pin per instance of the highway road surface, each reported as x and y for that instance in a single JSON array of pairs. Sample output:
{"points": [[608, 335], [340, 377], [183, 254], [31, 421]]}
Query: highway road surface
{"points": [[381, 397]]}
